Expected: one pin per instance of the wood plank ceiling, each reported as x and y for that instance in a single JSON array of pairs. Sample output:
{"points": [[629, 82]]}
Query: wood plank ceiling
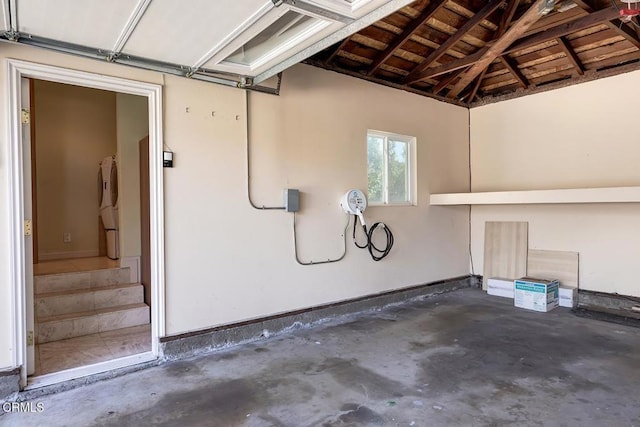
{"points": [[471, 52]]}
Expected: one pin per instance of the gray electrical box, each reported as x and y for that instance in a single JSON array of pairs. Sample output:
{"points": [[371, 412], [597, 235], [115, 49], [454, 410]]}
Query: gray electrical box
{"points": [[291, 200]]}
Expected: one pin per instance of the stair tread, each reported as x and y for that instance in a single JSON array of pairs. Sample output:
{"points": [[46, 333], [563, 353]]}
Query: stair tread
{"points": [[86, 290], [38, 276], [81, 314]]}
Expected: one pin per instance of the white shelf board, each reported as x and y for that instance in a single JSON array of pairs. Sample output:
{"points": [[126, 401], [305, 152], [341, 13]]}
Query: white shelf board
{"points": [[578, 195]]}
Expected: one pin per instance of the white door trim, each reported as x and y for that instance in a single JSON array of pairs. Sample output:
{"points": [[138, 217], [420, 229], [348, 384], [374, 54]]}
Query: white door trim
{"points": [[17, 69]]}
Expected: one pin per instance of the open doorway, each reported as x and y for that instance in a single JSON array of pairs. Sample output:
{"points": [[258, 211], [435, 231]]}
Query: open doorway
{"points": [[78, 276], [89, 300]]}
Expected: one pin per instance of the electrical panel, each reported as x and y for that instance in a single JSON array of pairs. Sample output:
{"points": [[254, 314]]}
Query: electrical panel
{"points": [[291, 200]]}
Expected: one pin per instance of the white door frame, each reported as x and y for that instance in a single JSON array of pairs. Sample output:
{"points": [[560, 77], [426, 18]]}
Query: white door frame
{"points": [[16, 69]]}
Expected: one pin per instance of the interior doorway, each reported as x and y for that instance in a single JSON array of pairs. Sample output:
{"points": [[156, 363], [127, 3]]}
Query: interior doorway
{"points": [[94, 280], [89, 300]]}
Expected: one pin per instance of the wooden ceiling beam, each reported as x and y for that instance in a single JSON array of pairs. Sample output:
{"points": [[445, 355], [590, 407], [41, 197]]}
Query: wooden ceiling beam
{"points": [[474, 91], [406, 34], [579, 24], [626, 32], [630, 32], [446, 81], [634, 24], [513, 69], [507, 17], [456, 64], [595, 18], [331, 57], [505, 21], [584, 5], [480, 16], [533, 13], [571, 55]]}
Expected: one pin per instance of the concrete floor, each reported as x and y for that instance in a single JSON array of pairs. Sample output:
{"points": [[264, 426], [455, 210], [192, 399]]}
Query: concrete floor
{"points": [[462, 358]]}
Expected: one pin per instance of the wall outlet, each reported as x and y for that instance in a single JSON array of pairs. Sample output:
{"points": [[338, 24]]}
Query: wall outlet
{"points": [[66, 237]]}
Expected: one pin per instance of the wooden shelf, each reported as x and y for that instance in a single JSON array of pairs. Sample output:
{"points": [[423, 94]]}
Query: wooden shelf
{"points": [[578, 195]]}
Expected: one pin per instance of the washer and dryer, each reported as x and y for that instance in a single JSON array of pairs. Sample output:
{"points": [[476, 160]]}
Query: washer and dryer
{"points": [[108, 178]]}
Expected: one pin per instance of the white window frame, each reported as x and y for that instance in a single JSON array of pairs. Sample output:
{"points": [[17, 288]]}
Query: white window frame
{"points": [[411, 164]]}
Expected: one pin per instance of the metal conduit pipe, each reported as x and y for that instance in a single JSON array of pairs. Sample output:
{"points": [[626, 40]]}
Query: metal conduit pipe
{"points": [[253, 205], [295, 245]]}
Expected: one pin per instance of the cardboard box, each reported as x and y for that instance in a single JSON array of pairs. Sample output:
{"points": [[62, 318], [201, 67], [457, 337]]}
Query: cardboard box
{"points": [[500, 287], [536, 294], [568, 297]]}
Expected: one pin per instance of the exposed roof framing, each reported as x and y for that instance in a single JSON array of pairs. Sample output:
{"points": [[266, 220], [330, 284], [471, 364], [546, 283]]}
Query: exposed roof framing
{"points": [[487, 10], [406, 34], [472, 52]]}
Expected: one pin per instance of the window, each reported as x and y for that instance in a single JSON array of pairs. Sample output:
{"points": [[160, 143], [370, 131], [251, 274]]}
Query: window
{"points": [[390, 168]]}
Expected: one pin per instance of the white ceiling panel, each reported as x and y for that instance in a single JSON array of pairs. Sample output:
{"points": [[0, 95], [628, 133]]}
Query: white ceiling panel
{"points": [[287, 35], [252, 38], [93, 23], [182, 32], [3, 26]]}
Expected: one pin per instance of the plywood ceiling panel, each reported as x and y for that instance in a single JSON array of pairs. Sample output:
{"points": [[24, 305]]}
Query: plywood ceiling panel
{"points": [[505, 250], [93, 23], [173, 33], [554, 265]]}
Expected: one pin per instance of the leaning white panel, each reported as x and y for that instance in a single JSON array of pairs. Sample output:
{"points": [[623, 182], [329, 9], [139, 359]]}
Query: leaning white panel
{"points": [[92, 23], [183, 32]]}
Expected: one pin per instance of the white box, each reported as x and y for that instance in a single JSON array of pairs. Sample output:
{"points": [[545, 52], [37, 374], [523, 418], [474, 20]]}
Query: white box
{"points": [[568, 297], [536, 294], [500, 287]]}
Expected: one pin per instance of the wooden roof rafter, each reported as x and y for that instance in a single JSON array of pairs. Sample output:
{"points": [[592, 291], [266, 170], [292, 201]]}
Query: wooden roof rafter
{"points": [[446, 81], [630, 30], [487, 10], [579, 24], [513, 69], [571, 55], [335, 51], [536, 39], [533, 13], [406, 34], [507, 17], [474, 91]]}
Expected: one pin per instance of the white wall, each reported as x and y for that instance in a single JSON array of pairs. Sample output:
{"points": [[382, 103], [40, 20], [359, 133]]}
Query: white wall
{"points": [[227, 262], [75, 130], [577, 137], [132, 115], [313, 137]]}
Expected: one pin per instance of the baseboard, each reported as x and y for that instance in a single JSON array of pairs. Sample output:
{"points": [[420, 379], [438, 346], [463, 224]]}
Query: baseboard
{"points": [[203, 341], [612, 304], [68, 254], [133, 262], [9, 383]]}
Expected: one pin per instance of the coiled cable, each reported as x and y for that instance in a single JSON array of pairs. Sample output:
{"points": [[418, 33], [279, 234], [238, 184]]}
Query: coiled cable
{"points": [[376, 253]]}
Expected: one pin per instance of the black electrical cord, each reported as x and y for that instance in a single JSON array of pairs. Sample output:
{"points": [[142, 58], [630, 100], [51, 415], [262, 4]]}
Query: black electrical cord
{"points": [[376, 253]]}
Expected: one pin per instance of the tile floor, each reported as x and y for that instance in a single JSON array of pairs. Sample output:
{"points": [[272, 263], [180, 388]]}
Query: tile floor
{"points": [[73, 265], [89, 349]]}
